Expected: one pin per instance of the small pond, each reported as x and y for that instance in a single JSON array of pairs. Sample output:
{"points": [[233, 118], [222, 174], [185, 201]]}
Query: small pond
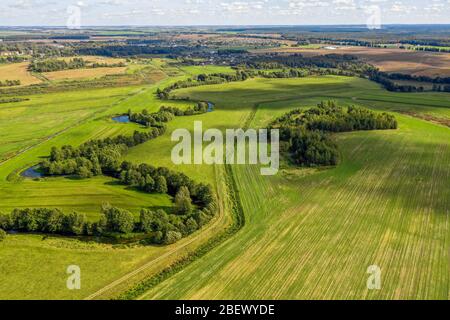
{"points": [[122, 119], [210, 107], [32, 172]]}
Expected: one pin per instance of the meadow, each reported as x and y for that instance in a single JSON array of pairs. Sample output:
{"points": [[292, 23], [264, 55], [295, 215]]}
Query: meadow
{"points": [[308, 233], [312, 234], [72, 118]]}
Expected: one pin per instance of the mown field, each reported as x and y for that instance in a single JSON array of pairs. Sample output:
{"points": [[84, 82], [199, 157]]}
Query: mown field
{"points": [[308, 233], [41, 262], [313, 234], [18, 71], [431, 64]]}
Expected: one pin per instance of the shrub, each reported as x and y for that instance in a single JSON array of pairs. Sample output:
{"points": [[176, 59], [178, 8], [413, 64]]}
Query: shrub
{"points": [[2, 235], [183, 202], [172, 237]]}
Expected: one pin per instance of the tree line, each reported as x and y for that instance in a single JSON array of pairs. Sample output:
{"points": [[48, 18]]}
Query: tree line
{"points": [[304, 134], [125, 50], [9, 100], [51, 65], [165, 114], [194, 203], [97, 157], [205, 79], [153, 226], [10, 83], [75, 63], [12, 59]]}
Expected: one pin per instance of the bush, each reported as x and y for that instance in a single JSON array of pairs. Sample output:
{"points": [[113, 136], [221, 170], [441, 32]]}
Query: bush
{"points": [[183, 202], [118, 220], [2, 235], [304, 134], [172, 237]]}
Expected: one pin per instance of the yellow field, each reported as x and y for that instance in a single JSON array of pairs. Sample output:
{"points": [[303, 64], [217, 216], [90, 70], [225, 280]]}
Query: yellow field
{"points": [[417, 63], [83, 73], [18, 71]]}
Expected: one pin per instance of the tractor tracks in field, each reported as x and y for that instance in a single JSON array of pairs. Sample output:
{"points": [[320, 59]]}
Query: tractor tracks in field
{"points": [[238, 220], [138, 291]]}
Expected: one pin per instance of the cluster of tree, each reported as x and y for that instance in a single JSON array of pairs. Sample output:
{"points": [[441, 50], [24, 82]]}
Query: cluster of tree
{"points": [[440, 88], [300, 73], [158, 226], [71, 37], [165, 114], [107, 65], [2, 234], [276, 61], [162, 180], [56, 65], [388, 81], [35, 49], [328, 116], [44, 220], [304, 134], [409, 77], [432, 49], [205, 79], [152, 119], [285, 73], [308, 148], [9, 100], [431, 45], [10, 83], [124, 50], [12, 59], [231, 51], [95, 157]]}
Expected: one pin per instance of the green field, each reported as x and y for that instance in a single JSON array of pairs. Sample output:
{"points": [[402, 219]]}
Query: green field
{"points": [[313, 236], [308, 233]]}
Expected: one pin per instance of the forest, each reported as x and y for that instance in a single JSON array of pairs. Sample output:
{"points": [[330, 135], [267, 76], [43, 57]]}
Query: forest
{"points": [[51, 65]]}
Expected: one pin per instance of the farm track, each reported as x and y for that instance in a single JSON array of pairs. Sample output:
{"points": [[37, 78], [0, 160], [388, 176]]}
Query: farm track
{"points": [[217, 221]]}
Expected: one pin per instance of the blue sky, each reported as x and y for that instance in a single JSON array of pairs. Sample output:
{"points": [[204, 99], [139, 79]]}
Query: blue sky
{"points": [[222, 12]]}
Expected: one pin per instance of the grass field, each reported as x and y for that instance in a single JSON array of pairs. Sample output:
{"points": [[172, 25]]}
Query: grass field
{"points": [[313, 236], [72, 118], [308, 234], [18, 71]]}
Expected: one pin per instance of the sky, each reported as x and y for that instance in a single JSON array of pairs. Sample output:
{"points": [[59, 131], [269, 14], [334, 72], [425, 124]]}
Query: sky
{"points": [[221, 12]]}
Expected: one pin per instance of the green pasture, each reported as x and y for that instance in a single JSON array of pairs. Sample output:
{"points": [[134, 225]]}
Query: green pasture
{"points": [[308, 233]]}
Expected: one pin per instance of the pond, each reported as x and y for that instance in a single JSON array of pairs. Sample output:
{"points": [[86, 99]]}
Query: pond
{"points": [[32, 172], [210, 107], [122, 119]]}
